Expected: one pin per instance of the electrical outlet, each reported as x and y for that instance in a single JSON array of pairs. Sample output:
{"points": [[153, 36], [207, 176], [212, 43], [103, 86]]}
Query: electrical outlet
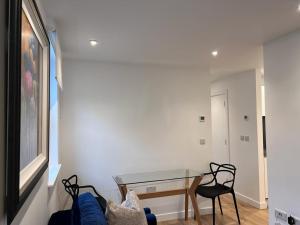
{"points": [[281, 215], [151, 189]]}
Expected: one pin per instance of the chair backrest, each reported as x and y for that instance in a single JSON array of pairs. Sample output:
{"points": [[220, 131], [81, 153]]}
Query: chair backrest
{"points": [[223, 169], [71, 186]]}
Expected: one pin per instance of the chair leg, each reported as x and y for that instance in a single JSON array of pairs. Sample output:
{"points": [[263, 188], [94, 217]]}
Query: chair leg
{"points": [[194, 212], [220, 204], [236, 208], [214, 211]]}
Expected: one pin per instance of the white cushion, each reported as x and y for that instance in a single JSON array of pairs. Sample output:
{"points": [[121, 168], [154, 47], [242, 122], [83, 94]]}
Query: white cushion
{"points": [[130, 212]]}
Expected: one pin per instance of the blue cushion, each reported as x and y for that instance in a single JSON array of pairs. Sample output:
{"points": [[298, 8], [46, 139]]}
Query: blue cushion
{"points": [[90, 211]]}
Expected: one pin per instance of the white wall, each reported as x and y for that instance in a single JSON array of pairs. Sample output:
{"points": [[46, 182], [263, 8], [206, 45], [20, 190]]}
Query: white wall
{"points": [[244, 99], [263, 101], [282, 79], [119, 118]]}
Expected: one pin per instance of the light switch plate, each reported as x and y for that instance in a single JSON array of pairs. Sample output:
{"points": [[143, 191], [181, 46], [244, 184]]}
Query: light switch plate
{"points": [[202, 119], [247, 138], [242, 138], [202, 141]]}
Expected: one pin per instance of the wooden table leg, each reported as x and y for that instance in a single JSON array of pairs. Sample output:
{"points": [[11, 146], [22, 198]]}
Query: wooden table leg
{"points": [[186, 199], [191, 191], [123, 191], [186, 210]]}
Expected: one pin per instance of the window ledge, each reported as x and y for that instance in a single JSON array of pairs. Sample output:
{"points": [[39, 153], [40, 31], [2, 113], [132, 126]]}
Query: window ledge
{"points": [[53, 175]]}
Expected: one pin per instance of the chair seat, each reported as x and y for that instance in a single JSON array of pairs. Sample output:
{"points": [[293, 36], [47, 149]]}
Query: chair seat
{"points": [[212, 191]]}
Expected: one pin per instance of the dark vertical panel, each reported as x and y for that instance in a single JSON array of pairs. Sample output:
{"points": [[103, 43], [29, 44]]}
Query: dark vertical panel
{"points": [[2, 104], [13, 96]]}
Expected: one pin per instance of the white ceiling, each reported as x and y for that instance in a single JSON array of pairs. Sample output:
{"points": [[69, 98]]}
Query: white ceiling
{"points": [[181, 32]]}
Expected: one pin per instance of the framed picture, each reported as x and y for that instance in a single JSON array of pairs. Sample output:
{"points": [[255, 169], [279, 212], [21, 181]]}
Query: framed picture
{"points": [[27, 102]]}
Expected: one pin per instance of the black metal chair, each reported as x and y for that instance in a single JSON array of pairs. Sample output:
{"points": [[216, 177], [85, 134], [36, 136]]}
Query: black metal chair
{"points": [[72, 187], [214, 191], [66, 217]]}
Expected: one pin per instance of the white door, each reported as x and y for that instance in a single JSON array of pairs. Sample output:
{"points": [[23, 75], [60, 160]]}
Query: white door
{"points": [[220, 136]]}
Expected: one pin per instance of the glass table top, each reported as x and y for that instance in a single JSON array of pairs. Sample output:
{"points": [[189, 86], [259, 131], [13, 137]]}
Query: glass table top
{"points": [[147, 177]]}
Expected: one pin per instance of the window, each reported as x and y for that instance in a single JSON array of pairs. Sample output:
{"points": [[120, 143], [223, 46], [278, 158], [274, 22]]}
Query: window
{"points": [[54, 165]]}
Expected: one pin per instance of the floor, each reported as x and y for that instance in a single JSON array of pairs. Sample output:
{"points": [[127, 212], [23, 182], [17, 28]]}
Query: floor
{"points": [[249, 215]]}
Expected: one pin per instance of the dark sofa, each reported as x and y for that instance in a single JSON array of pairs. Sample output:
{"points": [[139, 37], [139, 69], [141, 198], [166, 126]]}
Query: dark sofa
{"points": [[87, 209]]}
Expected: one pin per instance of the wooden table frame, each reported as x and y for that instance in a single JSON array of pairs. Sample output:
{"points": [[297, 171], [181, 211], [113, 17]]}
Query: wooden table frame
{"points": [[189, 190]]}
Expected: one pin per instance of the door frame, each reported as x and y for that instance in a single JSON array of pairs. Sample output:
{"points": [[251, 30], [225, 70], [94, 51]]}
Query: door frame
{"points": [[218, 93]]}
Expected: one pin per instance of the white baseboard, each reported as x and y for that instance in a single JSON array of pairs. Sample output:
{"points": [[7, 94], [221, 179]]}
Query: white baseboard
{"points": [[252, 202], [180, 215]]}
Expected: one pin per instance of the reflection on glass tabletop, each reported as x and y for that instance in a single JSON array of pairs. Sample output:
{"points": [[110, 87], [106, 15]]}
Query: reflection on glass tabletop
{"points": [[146, 177]]}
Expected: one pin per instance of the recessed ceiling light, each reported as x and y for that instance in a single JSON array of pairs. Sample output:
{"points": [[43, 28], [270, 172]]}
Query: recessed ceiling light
{"points": [[93, 43], [215, 53]]}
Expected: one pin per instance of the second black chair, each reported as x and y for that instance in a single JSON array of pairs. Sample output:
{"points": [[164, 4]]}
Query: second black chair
{"points": [[215, 188]]}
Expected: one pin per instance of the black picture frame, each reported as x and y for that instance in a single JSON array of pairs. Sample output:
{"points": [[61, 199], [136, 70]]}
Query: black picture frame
{"points": [[15, 200]]}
